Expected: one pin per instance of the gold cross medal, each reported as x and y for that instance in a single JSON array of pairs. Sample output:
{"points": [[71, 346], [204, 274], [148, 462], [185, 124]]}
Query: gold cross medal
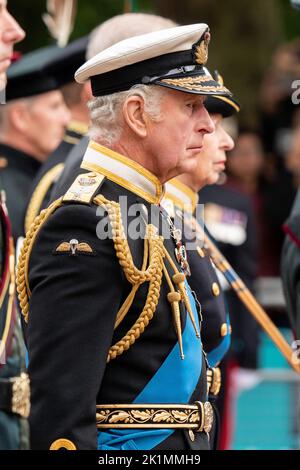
{"points": [[181, 256]]}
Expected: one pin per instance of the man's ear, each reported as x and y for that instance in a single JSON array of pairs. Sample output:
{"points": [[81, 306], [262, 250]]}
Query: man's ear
{"points": [[134, 115], [86, 92], [18, 116]]}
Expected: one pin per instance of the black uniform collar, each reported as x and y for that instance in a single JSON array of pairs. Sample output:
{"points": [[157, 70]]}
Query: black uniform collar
{"points": [[123, 171], [18, 159]]}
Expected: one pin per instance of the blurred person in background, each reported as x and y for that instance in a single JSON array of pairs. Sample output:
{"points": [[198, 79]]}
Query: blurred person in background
{"points": [[230, 219], [14, 385], [11, 33], [290, 256], [277, 108], [64, 64], [279, 115], [246, 169], [292, 158], [229, 216], [32, 125]]}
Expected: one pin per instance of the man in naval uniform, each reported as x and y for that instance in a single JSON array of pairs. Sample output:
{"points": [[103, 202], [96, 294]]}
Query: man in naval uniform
{"points": [[76, 96], [32, 124], [14, 386], [109, 309], [181, 200], [63, 65], [113, 30]]}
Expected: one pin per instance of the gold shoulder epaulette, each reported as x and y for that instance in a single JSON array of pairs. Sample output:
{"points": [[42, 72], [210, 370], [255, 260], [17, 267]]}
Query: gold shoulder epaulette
{"points": [[23, 289], [84, 188]]}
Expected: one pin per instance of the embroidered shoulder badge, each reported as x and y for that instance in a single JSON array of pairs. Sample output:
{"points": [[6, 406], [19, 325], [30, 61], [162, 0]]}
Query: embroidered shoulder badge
{"points": [[73, 247], [84, 188]]}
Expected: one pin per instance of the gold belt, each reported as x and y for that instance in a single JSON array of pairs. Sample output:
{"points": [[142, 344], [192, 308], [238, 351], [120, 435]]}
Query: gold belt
{"points": [[213, 375], [198, 416]]}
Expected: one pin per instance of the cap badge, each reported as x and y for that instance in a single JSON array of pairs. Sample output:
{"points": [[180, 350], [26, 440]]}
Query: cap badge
{"points": [[201, 51], [88, 180]]}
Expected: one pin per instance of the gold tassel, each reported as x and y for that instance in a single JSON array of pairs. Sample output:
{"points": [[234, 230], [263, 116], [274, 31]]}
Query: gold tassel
{"points": [[174, 298], [179, 279], [60, 19]]}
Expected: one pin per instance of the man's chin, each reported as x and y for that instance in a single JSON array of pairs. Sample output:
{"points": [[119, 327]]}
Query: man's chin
{"points": [[189, 167], [191, 163]]}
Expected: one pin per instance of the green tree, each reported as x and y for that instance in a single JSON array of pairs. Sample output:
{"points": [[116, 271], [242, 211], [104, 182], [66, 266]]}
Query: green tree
{"points": [[90, 14], [290, 20], [244, 35]]}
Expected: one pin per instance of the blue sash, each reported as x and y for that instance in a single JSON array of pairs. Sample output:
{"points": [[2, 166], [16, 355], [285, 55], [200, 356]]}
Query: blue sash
{"points": [[174, 382]]}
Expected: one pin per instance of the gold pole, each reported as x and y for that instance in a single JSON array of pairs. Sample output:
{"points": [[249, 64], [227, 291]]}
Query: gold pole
{"points": [[248, 299], [127, 6]]}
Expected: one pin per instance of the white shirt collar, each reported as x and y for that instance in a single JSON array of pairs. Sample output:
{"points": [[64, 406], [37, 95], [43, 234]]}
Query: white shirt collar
{"points": [[123, 171], [181, 195]]}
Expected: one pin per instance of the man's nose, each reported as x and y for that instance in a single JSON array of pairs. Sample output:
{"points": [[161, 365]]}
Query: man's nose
{"points": [[13, 32], [205, 123], [65, 117], [228, 142]]}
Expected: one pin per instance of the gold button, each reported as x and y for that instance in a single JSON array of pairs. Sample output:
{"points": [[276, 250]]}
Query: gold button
{"points": [[224, 329], [215, 289], [62, 444], [192, 435], [200, 252]]}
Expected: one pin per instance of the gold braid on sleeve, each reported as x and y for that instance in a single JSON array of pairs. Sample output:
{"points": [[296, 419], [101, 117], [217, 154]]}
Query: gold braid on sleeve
{"points": [[153, 256], [153, 273], [23, 261]]}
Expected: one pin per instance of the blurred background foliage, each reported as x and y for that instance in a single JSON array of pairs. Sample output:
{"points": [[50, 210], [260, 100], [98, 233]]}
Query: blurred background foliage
{"points": [[244, 33]]}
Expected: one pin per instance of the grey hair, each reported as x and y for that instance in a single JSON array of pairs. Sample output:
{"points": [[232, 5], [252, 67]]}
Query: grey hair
{"points": [[107, 122], [105, 111], [124, 26]]}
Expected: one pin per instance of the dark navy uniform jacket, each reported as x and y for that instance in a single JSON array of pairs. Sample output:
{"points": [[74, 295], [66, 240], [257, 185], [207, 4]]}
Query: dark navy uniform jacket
{"points": [[73, 309], [203, 280], [16, 179], [229, 218]]}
